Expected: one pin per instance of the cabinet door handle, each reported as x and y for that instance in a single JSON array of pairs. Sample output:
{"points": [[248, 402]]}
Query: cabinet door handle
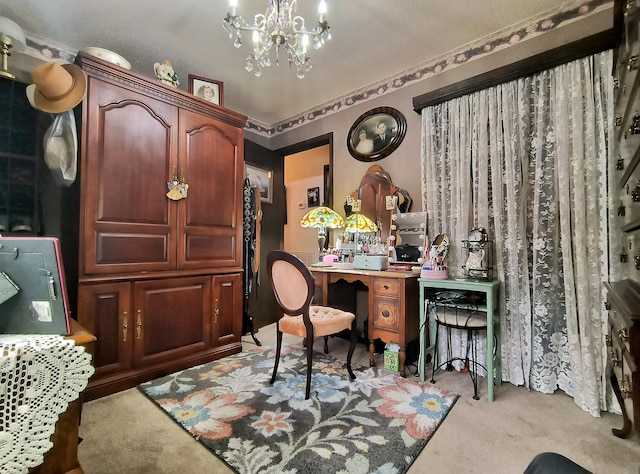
{"points": [[386, 287], [216, 311], [139, 324], [385, 313], [125, 325]]}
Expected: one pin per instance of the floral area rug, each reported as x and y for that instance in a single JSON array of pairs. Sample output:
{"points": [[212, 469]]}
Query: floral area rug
{"points": [[377, 423]]}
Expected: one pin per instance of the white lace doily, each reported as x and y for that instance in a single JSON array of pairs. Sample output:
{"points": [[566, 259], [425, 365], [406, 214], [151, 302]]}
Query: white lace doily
{"points": [[39, 376]]}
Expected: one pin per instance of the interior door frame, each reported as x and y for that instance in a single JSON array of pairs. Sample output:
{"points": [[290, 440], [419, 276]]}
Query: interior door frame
{"points": [[321, 140]]}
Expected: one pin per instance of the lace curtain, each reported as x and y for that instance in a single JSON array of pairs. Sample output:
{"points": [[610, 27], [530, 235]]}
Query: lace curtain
{"points": [[528, 160]]}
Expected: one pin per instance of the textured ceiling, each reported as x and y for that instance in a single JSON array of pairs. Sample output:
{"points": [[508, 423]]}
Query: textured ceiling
{"points": [[372, 41]]}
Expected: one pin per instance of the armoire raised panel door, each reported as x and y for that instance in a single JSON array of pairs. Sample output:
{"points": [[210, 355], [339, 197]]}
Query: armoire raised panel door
{"points": [[107, 315], [208, 225], [129, 221], [227, 302], [172, 318]]}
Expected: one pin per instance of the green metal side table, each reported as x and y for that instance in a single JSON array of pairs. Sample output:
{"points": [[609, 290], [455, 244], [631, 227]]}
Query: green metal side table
{"points": [[492, 291]]}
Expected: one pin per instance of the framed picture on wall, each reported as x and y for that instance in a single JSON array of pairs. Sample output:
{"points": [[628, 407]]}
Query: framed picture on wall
{"points": [[376, 134], [313, 197], [262, 179]]}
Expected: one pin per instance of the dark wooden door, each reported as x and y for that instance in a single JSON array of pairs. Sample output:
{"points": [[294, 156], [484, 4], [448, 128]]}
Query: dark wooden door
{"points": [[211, 161], [172, 318], [131, 145]]}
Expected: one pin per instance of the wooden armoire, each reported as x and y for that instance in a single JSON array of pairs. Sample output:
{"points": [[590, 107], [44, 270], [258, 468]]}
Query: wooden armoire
{"points": [[159, 280]]}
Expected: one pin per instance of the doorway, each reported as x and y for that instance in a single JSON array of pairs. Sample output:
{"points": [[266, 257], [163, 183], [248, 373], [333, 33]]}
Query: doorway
{"points": [[308, 181]]}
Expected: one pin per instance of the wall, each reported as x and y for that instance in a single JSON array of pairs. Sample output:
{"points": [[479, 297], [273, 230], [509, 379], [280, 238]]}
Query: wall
{"points": [[403, 164], [302, 171], [261, 302]]}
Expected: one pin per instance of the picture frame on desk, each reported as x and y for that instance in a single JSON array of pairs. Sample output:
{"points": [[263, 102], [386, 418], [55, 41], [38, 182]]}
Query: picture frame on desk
{"points": [[207, 89]]}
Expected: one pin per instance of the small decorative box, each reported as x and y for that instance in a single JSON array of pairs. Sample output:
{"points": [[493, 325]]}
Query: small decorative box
{"points": [[391, 357], [391, 361]]}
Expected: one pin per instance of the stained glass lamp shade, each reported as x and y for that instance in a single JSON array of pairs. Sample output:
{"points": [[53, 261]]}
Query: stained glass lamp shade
{"points": [[358, 223], [322, 218]]}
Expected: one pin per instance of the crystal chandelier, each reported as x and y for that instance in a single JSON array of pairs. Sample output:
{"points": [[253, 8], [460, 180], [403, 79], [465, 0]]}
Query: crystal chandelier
{"points": [[279, 27]]}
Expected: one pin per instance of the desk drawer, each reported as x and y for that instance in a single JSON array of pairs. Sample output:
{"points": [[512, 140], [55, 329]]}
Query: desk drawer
{"points": [[387, 314], [386, 287]]}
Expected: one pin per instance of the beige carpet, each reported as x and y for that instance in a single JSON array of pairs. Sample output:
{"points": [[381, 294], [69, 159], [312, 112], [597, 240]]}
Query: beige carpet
{"points": [[127, 433]]}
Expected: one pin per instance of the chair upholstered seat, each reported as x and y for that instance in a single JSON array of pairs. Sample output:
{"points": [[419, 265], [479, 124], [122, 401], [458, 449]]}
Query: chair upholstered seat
{"points": [[463, 321], [294, 287], [326, 321]]}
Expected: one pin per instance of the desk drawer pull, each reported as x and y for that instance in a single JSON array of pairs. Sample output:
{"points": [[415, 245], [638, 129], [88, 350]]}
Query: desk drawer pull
{"points": [[385, 286]]}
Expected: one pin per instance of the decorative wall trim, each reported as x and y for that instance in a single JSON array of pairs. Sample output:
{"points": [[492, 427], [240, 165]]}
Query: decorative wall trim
{"points": [[49, 49]]}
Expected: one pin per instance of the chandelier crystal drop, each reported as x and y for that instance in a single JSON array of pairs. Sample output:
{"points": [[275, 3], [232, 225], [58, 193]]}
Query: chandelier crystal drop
{"points": [[280, 29]]}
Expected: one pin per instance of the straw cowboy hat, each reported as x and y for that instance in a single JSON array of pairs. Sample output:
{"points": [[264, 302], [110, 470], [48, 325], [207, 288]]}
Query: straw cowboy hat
{"points": [[56, 87]]}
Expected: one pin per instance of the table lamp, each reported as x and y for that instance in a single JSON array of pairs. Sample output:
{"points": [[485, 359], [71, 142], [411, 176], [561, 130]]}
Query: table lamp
{"points": [[11, 35], [322, 218], [359, 223]]}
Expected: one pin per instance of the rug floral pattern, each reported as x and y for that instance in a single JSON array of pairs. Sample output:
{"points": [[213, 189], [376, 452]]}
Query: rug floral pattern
{"points": [[377, 423]]}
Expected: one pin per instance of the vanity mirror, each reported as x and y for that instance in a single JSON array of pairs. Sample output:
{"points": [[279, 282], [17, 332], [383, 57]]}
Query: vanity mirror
{"points": [[374, 190], [408, 239]]}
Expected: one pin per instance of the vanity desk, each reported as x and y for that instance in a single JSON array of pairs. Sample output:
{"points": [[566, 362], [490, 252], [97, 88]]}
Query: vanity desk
{"points": [[393, 315]]}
